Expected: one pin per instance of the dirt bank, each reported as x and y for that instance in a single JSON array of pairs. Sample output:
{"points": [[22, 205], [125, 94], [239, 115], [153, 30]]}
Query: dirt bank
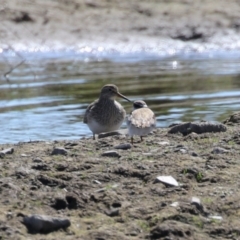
{"points": [[116, 195], [83, 22]]}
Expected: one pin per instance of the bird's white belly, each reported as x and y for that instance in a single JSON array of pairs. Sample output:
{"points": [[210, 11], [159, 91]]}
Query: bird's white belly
{"points": [[97, 128], [132, 130]]}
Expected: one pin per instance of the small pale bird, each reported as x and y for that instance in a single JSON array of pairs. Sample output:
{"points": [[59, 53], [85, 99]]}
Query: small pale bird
{"points": [[105, 114], [141, 121]]}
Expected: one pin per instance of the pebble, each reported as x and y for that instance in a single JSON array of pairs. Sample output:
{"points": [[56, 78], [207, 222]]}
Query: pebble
{"points": [[23, 171], [59, 151], [164, 143], [124, 146], [7, 151], [71, 144], [216, 217], [24, 155], [219, 150], [197, 202], [180, 146], [44, 224], [112, 212], [175, 204], [147, 154], [194, 154], [100, 190], [182, 150], [98, 182], [9, 215], [168, 180], [111, 154], [37, 160]]}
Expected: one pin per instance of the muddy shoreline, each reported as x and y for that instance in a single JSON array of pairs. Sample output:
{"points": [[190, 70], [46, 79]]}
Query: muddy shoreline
{"points": [[116, 194], [86, 22]]}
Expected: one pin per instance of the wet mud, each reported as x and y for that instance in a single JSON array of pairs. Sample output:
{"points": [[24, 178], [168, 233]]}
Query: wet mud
{"points": [[109, 189]]}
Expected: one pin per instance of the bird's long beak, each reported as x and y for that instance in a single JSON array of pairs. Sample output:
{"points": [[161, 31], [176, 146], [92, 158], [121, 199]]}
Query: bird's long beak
{"points": [[120, 95]]}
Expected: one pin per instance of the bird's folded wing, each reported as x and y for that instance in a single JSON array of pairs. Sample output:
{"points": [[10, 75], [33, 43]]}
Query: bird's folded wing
{"points": [[88, 111], [142, 118]]}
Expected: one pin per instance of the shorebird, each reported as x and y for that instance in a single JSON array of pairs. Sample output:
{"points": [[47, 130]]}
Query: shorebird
{"points": [[105, 114], [141, 121]]}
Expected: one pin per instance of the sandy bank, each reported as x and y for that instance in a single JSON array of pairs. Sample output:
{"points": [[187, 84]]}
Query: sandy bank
{"points": [[85, 22]]}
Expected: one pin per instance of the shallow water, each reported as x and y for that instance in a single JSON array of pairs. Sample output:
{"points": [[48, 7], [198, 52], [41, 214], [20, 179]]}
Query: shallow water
{"points": [[45, 97]]}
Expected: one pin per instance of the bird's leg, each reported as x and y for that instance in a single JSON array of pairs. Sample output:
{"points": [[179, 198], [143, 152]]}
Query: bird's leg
{"points": [[94, 137], [132, 140], [141, 138]]}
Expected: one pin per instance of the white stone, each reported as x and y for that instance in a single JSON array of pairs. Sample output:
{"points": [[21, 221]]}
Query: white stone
{"points": [[164, 143], [175, 204], [195, 200], [168, 180], [96, 181], [216, 217]]}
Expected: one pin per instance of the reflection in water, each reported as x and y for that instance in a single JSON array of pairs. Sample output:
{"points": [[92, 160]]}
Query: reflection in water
{"points": [[45, 99]]}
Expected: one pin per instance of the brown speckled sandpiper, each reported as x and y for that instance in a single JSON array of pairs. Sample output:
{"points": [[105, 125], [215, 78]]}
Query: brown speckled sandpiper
{"points": [[105, 114], [141, 121]]}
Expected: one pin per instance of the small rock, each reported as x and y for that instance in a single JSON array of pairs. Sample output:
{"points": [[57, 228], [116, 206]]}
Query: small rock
{"points": [[147, 154], [124, 146], [112, 212], [41, 167], [44, 224], [233, 119], [164, 143], [92, 4], [197, 202], [24, 155], [61, 167], [111, 154], [133, 233], [23, 171], [59, 151], [37, 160], [115, 185], [98, 182], [100, 190], [71, 144], [197, 127], [182, 150], [219, 150], [216, 217], [7, 151], [9, 215], [194, 154], [168, 180], [175, 204], [180, 146], [34, 188], [170, 229]]}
